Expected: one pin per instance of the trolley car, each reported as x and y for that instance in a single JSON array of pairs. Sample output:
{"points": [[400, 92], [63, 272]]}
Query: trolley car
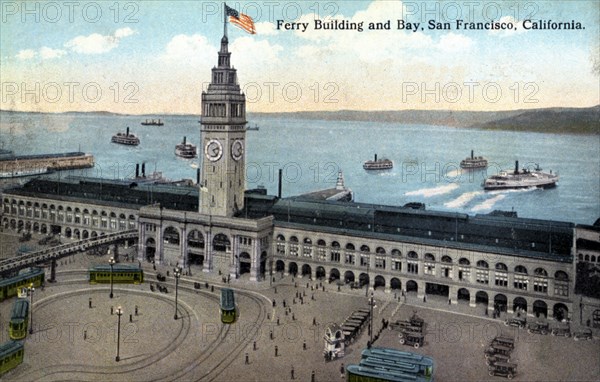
{"points": [[11, 355], [121, 274], [358, 373], [406, 361], [17, 327], [228, 310], [11, 286]]}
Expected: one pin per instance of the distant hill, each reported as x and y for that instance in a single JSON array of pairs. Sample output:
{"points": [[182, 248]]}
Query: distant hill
{"points": [[553, 120]]}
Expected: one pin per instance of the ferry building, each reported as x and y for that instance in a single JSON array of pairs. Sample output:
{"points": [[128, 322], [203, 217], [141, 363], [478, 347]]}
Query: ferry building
{"points": [[496, 260]]}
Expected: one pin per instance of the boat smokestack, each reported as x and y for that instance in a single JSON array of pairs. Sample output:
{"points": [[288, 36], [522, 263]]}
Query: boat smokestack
{"points": [[198, 176], [127, 134], [375, 157], [516, 167], [137, 170], [471, 154], [144, 170], [279, 183], [184, 140]]}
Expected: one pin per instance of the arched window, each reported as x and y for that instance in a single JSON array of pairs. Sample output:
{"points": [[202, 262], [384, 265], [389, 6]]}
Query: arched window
{"points": [[482, 264]]}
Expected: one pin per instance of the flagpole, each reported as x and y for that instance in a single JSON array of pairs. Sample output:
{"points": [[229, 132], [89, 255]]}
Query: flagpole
{"points": [[224, 20]]}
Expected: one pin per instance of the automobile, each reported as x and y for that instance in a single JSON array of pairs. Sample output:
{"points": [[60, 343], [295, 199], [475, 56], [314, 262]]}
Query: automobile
{"points": [[561, 332], [539, 328], [412, 339], [585, 334], [405, 326], [519, 322], [497, 358], [497, 349], [503, 369], [504, 341]]}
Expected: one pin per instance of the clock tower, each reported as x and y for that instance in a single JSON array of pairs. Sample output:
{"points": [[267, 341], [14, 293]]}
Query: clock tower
{"points": [[223, 139]]}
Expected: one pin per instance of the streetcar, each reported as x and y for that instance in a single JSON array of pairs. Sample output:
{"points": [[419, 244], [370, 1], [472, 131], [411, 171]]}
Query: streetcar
{"points": [[407, 361], [11, 286], [17, 327], [228, 310], [358, 373], [121, 274], [11, 355]]}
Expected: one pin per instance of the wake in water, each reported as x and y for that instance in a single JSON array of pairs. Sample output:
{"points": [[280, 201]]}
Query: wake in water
{"points": [[429, 192], [462, 200], [520, 190], [487, 204]]}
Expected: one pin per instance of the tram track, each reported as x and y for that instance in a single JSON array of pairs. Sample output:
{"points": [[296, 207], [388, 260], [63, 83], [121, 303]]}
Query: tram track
{"points": [[85, 372]]}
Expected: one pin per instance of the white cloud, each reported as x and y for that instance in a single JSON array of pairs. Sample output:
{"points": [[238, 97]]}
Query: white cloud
{"points": [[97, 43], [26, 54], [517, 27], [265, 28], [453, 42], [253, 53], [49, 53], [189, 46]]}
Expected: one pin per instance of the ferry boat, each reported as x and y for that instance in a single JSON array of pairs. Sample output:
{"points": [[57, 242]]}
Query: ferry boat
{"points": [[126, 139], [507, 180], [473, 162], [152, 122], [186, 150], [378, 164]]}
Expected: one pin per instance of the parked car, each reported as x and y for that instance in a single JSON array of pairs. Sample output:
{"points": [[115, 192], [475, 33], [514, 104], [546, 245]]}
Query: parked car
{"points": [[585, 334], [497, 358], [539, 328], [497, 349], [503, 369], [412, 339], [504, 341], [561, 332], [519, 322]]}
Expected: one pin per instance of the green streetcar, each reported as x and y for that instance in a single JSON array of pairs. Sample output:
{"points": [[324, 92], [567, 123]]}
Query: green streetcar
{"points": [[17, 327], [11, 355], [11, 287], [121, 274], [228, 310]]}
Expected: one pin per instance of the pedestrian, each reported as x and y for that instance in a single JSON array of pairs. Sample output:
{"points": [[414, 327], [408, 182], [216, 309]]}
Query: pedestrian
{"points": [[314, 321], [294, 317], [339, 288], [304, 345], [449, 301], [274, 303], [292, 373], [277, 320], [271, 334], [275, 287], [323, 288], [312, 376], [247, 359], [276, 351], [136, 310], [254, 345], [131, 318], [284, 303], [90, 303], [111, 310], [307, 285], [342, 370], [85, 335]]}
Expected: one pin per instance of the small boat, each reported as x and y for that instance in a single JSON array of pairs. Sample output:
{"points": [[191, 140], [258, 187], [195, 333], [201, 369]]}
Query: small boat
{"points": [[509, 180], [152, 122], [125, 139], [186, 150], [473, 162], [378, 164], [19, 173], [252, 128]]}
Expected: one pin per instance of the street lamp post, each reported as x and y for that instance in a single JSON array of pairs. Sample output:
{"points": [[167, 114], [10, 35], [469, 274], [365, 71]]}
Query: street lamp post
{"points": [[111, 262], [371, 319], [119, 313], [31, 290], [177, 274]]}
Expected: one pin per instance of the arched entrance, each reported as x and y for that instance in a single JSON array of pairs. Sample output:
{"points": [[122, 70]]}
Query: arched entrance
{"points": [[519, 304], [379, 282], [85, 234], [395, 283], [279, 266], [363, 279], [561, 312], [263, 264], [320, 274], [500, 303], [306, 270], [412, 286], [245, 263], [195, 245], [150, 248], [68, 232], [334, 275], [349, 277], [481, 297], [221, 243], [540, 308], [463, 294], [293, 269]]}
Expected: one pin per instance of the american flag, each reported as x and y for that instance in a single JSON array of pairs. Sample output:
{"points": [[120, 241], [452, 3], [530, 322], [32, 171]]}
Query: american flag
{"points": [[240, 20]]}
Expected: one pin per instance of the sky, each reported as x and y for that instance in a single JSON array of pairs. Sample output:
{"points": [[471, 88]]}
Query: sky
{"points": [[154, 57]]}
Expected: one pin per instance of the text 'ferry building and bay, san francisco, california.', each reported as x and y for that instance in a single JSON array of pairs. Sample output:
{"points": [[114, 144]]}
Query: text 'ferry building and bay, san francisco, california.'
{"points": [[508, 263]]}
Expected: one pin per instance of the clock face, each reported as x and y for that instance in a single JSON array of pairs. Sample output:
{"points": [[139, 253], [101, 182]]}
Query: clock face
{"points": [[213, 150], [237, 149]]}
